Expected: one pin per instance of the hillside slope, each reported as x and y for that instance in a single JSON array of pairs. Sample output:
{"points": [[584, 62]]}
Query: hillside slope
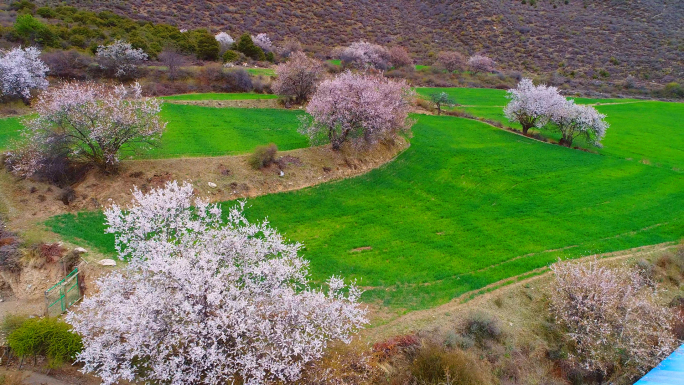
{"points": [[644, 38]]}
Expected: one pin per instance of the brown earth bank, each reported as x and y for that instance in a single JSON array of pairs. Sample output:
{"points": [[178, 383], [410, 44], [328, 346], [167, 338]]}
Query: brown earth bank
{"points": [[28, 202]]}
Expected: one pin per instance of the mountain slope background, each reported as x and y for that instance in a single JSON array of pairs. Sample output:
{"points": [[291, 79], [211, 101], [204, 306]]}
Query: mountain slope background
{"points": [[600, 39]]}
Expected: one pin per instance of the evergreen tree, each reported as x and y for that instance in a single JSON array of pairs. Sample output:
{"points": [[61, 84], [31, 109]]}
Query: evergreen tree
{"points": [[247, 47]]}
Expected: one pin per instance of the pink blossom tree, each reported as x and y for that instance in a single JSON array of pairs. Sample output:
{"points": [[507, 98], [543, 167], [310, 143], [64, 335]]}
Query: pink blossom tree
{"points": [[451, 60], [364, 55], [120, 59], [611, 316], [92, 121], [206, 300], [399, 57], [362, 107], [576, 120], [481, 63], [298, 77], [531, 105], [21, 72]]}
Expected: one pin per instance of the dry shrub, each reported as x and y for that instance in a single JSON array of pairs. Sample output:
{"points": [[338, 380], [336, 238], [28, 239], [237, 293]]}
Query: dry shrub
{"points": [[263, 156], [434, 365], [344, 365], [482, 327], [11, 379], [392, 346]]}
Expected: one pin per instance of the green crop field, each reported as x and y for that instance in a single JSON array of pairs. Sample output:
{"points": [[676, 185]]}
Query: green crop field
{"points": [[261, 71], [465, 206], [220, 96], [206, 131], [9, 130]]}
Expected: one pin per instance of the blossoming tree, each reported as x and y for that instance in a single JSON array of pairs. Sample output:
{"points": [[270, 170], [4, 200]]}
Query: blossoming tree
{"points": [[225, 41], [531, 105], [22, 71], [298, 77], [362, 107], [120, 59], [451, 60], [611, 316], [481, 63], [206, 300], [92, 122], [364, 55], [576, 120], [263, 41]]}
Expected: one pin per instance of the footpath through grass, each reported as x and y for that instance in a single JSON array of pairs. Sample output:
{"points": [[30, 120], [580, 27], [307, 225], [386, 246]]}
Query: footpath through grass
{"points": [[206, 131], [465, 206]]}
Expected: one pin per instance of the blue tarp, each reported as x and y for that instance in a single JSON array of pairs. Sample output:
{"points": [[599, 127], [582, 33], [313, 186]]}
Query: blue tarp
{"points": [[669, 372]]}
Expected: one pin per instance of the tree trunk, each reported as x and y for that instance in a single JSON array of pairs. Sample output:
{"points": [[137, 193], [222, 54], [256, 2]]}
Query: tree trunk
{"points": [[565, 142]]}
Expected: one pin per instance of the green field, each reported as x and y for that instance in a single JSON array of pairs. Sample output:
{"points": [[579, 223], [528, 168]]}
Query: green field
{"points": [[220, 96], [467, 205], [261, 71], [9, 130], [206, 131]]}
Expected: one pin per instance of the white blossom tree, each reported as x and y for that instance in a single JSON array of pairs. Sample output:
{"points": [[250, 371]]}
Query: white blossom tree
{"points": [[362, 107], [577, 120], [481, 63], [91, 122], [225, 41], [120, 59], [298, 77], [451, 60], [442, 99], [206, 300], [22, 71], [531, 105], [263, 41], [612, 316], [364, 55]]}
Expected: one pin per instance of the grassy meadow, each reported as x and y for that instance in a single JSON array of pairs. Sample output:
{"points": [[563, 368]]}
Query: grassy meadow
{"points": [[9, 130], [468, 204]]}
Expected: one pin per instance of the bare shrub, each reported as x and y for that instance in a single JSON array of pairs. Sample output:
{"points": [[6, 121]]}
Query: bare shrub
{"points": [[67, 64], [263, 156], [482, 327], [451, 60], [298, 77], [399, 57], [173, 60]]}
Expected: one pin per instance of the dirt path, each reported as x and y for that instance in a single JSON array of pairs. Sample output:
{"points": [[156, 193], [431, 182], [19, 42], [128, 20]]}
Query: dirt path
{"points": [[434, 317]]}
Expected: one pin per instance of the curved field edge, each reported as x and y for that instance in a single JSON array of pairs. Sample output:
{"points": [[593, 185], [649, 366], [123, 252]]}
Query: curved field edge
{"points": [[465, 206]]}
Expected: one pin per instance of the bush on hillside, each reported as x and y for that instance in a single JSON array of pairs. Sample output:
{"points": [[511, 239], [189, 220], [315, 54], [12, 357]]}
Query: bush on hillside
{"points": [[263, 156]]}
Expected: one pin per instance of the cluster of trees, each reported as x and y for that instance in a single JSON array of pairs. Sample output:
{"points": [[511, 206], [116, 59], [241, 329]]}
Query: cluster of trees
{"points": [[456, 61], [21, 72], [544, 107], [207, 298], [363, 55]]}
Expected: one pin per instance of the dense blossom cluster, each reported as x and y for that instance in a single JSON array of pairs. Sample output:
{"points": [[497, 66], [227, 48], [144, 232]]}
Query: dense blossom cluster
{"points": [[264, 42], [206, 300], [89, 123], [481, 63], [225, 41], [574, 120], [451, 60], [21, 71], [611, 316], [531, 105], [298, 77], [363, 107], [364, 55], [120, 58]]}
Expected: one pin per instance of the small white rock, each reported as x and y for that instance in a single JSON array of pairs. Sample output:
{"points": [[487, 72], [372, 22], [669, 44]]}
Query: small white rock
{"points": [[282, 173], [212, 184], [80, 250], [107, 262]]}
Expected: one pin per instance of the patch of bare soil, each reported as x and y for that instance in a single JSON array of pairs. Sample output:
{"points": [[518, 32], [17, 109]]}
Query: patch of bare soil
{"points": [[28, 203], [249, 103]]}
